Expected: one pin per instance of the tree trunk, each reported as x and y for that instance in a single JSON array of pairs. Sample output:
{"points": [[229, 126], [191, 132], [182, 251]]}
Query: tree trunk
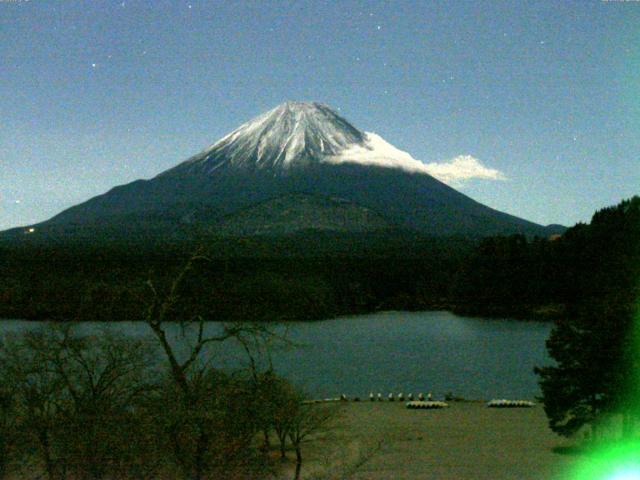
{"points": [[201, 447], [43, 436], [298, 462], [283, 447], [282, 439], [4, 456]]}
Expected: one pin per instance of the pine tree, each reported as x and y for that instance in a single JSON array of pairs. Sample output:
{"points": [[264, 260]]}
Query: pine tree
{"points": [[595, 345]]}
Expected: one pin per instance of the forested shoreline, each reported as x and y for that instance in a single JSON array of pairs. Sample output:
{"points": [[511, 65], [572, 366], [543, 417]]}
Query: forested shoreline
{"points": [[313, 276]]}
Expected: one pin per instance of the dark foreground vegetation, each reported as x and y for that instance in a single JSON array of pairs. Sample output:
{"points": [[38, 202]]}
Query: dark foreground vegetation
{"points": [[313, 275], [78, 407]]}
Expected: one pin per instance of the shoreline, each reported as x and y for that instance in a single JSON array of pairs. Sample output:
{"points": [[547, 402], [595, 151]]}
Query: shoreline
{"points": [[539, 313]]}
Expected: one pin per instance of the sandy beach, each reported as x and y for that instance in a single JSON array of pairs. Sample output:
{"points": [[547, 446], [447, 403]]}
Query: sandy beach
{"points": [[465, 441]]}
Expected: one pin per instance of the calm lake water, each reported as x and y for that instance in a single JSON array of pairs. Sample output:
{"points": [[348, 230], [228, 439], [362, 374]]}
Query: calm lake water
{"points": [[392, 352]]}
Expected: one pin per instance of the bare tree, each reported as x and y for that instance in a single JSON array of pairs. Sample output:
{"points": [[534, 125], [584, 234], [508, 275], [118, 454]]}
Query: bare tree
{"points": [[158, 314], [201, 397], [74, 396], [268, 389], [284, 403], [102, 376], [37, 393], [308, 419]]}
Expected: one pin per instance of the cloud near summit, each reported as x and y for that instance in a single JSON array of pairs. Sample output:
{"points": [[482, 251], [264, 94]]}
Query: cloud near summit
{"points": [[377, 151], [461, 168]]}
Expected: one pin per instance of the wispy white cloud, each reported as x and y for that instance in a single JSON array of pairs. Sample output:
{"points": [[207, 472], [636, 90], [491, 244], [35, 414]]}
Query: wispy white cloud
{"points": [[462, 168], [377, 151]]}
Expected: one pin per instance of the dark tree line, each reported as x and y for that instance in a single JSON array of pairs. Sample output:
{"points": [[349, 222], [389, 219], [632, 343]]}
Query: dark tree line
{"points": [[313, 276], [596, 342], [260, 279], [257, 279]]}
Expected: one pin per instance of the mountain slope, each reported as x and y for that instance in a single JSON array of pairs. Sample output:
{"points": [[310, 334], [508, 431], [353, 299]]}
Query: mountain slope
{"points": [[296, 148]]}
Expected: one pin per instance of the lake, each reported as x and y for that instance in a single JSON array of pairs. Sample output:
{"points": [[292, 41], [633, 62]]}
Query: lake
{"points": [[386, 352]]}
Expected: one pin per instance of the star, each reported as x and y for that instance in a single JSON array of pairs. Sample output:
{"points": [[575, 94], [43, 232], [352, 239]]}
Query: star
{"points": [[379, 27], [93, 65]]}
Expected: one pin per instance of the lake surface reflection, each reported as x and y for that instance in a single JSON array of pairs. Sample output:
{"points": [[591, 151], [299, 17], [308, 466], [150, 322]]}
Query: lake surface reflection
{"points": [[391, 352]]}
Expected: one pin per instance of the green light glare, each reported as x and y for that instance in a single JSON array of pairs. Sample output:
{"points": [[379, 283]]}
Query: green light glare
{"points": [[617, 459], [626, 474], [620, 461]]}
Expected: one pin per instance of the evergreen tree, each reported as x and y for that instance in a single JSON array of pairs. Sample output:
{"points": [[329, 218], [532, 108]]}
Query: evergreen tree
{"points": [[595, 344]]}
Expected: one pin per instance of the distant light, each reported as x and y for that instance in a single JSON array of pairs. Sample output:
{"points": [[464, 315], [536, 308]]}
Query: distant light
{"points": [[31, 230]]}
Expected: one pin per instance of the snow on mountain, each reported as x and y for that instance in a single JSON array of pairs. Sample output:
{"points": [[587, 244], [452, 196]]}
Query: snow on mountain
{"points": [[296, 134], [292, 134]]}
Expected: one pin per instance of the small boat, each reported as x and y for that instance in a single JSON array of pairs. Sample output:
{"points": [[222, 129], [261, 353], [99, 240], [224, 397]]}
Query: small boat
{"points": [[502, 403], [420, 404]]}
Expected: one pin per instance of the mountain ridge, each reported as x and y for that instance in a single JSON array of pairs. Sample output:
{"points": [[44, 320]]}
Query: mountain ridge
{"points": [[295, 148]]}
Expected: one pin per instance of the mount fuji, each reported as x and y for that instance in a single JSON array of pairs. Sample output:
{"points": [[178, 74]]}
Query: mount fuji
{"points": [[296, 135], [298, 167]]}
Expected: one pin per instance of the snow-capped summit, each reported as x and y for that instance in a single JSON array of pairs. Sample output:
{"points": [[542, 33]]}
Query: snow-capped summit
{"points": [[297, 167], [294, 135]]}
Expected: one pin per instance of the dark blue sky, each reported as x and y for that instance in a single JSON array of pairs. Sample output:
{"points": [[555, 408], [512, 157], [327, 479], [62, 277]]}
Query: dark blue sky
{"points": [[99, 93]]}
